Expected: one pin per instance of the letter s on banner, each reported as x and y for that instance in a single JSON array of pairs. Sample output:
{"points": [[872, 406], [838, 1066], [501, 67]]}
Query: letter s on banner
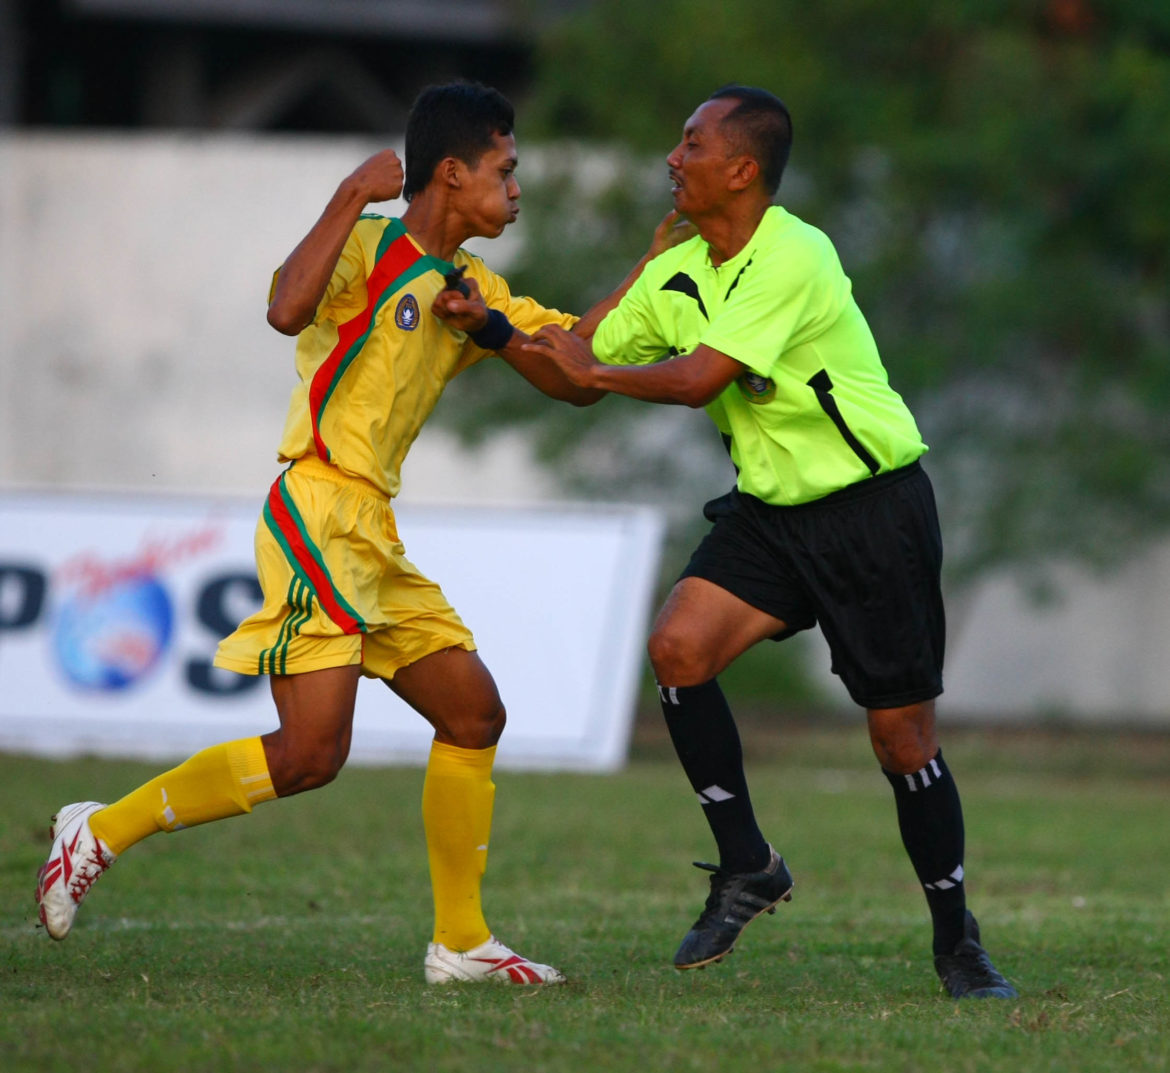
{"points": [[214, 609]]}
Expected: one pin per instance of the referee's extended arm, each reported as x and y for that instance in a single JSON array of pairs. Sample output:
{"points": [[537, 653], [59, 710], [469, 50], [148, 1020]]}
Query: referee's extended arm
{"points": [[693, 379]]}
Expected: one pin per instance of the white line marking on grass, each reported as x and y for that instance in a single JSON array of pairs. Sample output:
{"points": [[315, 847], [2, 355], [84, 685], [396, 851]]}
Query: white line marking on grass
{"points": [[114, 924]]}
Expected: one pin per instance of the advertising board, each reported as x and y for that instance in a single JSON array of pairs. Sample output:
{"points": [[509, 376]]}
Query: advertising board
{"points": [[111, 608]]}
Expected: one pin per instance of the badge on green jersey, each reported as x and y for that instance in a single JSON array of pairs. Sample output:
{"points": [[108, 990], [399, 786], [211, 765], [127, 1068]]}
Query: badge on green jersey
{"points": [[756, 389]]}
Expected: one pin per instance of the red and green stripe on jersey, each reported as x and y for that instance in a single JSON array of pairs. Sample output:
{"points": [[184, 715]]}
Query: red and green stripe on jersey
{"points": [[311, 577], [397, 261]]}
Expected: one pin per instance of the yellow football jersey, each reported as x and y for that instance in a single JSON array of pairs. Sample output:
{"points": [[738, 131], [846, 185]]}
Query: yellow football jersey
{"points": [[375, 360]]}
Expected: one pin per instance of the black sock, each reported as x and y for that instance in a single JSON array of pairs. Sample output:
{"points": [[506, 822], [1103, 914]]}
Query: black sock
{"points": [[930, 818], [707, 742]]}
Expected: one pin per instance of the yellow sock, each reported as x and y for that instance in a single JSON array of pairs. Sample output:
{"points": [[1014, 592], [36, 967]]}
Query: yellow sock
{"points": [[222, 781], [457, 816]]}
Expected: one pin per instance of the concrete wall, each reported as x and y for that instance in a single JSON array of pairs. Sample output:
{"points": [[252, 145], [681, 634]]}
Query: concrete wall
{"points": [[1092, 649], [134, 354]]}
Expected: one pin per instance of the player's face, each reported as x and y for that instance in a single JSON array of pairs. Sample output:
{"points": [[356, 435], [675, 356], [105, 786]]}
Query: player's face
{"points": [[702, 163], [489, 193]]}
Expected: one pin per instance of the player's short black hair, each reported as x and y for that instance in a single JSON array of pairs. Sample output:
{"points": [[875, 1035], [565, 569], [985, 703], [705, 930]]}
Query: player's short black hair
{"points": [[458, 120], [761, 127]]}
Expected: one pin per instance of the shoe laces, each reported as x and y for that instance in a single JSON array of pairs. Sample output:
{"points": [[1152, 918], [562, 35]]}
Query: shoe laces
{"points": [[87, 875]]}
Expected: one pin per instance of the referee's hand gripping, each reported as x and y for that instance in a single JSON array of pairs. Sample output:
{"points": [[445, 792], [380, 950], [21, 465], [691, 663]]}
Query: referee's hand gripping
{"points": [[570, 353]]}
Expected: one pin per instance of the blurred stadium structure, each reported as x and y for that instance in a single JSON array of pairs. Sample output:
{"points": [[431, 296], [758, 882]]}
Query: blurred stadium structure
{"points": [[271, 65], [142, 215]]}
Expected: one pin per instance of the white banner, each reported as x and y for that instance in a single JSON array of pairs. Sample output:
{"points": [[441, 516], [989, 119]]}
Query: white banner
{"points": [[111, 608]]}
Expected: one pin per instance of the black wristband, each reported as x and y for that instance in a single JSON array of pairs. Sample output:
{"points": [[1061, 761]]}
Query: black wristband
{"points": [[494, 335]]}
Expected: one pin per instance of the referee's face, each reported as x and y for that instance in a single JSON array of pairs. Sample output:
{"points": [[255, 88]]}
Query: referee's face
{"points": [[701, 164]]}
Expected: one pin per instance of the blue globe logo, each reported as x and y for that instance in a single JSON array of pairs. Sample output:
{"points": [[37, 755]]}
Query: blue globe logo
{"points": [[108, 640]]}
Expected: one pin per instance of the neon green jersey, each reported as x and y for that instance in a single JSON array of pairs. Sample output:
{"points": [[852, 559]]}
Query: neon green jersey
{"points": [[813, 411], [375, 360]]}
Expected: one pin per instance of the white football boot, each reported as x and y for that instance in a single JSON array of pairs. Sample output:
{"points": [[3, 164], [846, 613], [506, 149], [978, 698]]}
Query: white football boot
{"points": [[76, 861], [491, 960]]}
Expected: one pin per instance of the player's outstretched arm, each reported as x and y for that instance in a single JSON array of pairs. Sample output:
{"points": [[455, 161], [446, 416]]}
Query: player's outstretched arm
{"points": [[469, 313], [306, 272], [544, 375], [553, 377]]}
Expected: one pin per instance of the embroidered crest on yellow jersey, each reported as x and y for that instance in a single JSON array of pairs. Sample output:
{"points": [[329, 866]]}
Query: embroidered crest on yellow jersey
{"points": [[406, 315]]}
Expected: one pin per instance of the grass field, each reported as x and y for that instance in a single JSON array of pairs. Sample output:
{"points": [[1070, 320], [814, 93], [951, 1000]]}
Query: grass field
{"points": [[293, 939]]}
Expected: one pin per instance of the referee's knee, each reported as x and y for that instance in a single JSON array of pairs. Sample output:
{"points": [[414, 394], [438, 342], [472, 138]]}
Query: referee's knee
{"points": [[676, 660], [904, 739]]}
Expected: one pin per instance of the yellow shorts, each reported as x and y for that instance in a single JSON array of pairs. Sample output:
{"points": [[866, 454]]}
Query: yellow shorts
{"points": [[338, 589]]}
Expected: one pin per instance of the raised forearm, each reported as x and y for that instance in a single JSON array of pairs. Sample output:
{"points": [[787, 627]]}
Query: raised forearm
{"points": [[305, 274]]}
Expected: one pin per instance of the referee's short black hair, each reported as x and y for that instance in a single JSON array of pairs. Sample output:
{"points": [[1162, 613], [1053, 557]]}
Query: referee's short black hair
{"points": [[762, 129], [458, 120]]}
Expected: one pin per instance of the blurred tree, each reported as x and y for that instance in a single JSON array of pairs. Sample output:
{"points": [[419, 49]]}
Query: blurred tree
{"points": [[995, 176]]}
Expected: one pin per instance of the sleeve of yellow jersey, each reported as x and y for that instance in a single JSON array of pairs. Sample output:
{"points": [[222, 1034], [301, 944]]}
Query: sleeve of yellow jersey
{"points": [[345, 295], [524, 313]]}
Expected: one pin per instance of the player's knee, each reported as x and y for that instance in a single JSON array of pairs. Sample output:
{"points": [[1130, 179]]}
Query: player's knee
{"points": [[479, 727], [493, 724], [295, 770], [313, 778], [487, 726]]}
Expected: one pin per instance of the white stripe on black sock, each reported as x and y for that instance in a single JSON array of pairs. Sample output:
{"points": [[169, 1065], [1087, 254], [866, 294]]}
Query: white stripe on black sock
{"points": [[921, 779], [713, 795], [953, 880]]}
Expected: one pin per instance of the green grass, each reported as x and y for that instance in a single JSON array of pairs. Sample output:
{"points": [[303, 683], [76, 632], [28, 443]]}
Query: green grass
{"points": [[292, 939]]}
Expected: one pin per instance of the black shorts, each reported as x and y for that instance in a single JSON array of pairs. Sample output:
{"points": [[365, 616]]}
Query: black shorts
{"points": [[863, 562]]}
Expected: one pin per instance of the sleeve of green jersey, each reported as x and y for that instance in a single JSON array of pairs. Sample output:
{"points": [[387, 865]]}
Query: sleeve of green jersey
{"points": [[630, 333], [783, 298]]}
